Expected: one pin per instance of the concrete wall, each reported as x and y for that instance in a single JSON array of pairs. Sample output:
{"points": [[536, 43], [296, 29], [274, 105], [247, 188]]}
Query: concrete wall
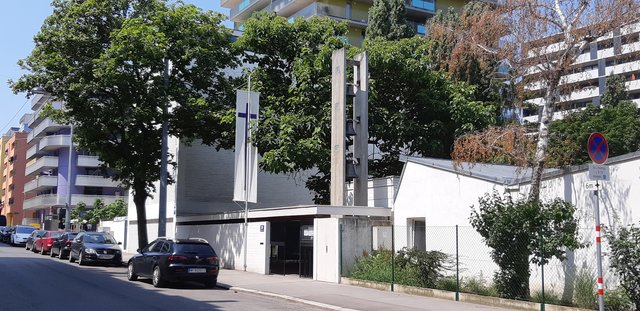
{"points": [[381, 191], [326, 261], [356, 240], [116, 227], [227, 241]]}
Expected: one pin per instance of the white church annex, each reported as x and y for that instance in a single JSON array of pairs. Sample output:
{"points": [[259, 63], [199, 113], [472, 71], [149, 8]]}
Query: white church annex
{"points": [[433, 197]]}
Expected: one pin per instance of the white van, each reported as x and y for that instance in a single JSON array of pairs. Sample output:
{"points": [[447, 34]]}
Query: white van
{"points": [[20, 234]]}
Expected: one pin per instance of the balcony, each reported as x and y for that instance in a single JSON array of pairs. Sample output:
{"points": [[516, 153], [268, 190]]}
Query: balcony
{"points": [[41, 201], [38, 100], [34, 167], [244, 9], [287, 7], [47, 125], [420, 8], [633, 85], [96, 181], [355, 18], [229, 3], [41, 183], [54, 142], [88, 161], [47, 200]]}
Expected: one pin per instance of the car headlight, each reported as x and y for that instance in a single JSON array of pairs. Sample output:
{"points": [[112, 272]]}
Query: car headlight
{"points": [[89, 250], [117, 251]]}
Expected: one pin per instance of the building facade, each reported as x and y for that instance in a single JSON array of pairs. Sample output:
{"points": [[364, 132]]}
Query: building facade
{"points": [[617, 53], [57, 169], [13, 178], [355, 13]]}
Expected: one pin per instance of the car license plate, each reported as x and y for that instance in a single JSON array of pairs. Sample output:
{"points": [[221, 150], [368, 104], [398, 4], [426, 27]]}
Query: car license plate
{"points": [[102, 256], [197, 270]]}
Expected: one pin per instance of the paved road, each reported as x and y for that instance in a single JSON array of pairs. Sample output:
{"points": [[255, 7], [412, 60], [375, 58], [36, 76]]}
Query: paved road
{"points": [[31, 281]]}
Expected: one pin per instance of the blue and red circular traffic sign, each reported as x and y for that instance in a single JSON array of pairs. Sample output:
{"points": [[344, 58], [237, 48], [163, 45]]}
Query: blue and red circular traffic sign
{"points": [[598, 148]]}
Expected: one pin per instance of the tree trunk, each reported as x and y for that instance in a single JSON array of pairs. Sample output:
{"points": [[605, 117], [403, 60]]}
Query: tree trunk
{"points": [[550, 99], [139, 198]]}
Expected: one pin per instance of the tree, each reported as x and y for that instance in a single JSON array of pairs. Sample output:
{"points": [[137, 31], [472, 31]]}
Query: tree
{"points": [[516, 229], [542, 42], [624, 255], [618, 119], [293, 74], [387, 19], [105, 59]]}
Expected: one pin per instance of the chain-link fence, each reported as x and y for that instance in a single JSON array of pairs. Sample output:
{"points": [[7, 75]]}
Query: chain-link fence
{"points": [[456, 259]]}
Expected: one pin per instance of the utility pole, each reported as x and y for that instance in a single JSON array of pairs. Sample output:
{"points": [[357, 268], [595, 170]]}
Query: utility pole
{"points": [[162, 204]]}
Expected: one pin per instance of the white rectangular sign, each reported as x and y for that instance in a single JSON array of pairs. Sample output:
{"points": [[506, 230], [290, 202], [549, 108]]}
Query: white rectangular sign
{"points": [[246, 154], [590, 185], [598, 172]]}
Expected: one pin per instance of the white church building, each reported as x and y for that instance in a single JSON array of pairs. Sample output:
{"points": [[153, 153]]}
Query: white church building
{"points": [[434, 197]]}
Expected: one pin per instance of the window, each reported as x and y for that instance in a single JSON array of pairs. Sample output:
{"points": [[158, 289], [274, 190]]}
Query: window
{"points": [[421, 29], [428, 5]]}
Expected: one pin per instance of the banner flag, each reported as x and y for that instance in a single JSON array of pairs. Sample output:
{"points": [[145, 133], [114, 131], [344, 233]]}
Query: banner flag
{"points": [[246, 155]]}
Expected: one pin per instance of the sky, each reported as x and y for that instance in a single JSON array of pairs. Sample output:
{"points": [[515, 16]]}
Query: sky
{"points": [[19, 22]]}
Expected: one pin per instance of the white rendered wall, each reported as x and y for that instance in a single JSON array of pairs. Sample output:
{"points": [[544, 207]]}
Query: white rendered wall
{"points": [[326, 261]]}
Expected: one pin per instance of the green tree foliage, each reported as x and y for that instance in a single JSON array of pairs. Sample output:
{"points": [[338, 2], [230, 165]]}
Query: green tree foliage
{"points": [[624, 255], [618, 120], [516, 229], [413, 109], [100, 211], [105, 60], [387, 19]]}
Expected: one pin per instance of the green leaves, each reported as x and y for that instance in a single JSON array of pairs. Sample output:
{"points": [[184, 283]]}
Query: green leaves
{"points": [[518, 230], [624, 256], [387, 19]]}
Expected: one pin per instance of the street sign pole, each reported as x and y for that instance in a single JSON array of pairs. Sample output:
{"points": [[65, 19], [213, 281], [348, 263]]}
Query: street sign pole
{"points": [[598, 150], [599, 249]]}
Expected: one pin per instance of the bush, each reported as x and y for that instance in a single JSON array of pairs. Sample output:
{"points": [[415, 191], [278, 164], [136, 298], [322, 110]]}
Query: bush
{"points": [[412, 267], [584, 289], [477, 285], [550, 297], [447, 283], [625, 260], [617, 300]]}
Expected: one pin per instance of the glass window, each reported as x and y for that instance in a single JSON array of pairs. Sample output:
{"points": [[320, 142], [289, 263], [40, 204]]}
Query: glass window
{"points": [[421, 29], [156, 247], [99, 239], [201, 249], [25, 229], [424, 4]]}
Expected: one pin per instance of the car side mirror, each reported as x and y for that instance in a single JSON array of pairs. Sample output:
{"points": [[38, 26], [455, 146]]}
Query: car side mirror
{"points": [[119, 243], [138, 250]]}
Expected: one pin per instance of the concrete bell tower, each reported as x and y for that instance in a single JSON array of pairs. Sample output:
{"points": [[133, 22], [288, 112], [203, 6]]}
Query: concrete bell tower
{"points": [[349, 136]]}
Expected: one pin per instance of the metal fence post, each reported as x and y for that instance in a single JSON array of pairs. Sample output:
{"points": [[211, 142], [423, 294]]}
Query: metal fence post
{"points": [[542, 270], [457, 268], [393, 255]]}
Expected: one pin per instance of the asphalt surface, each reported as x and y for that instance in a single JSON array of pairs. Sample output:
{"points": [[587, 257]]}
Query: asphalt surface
{"points": [[31, 281]]}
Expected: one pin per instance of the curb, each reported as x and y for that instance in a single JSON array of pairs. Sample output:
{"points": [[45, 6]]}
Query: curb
{"points": [[285, 297]]}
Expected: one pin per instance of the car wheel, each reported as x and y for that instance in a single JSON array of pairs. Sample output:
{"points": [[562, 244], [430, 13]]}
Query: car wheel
{"points": [[60, 255], [34, 249], [210, 283], [51, 253], [131, 273], [157, 277], [80, 261], [26, 246], [71, 259]]}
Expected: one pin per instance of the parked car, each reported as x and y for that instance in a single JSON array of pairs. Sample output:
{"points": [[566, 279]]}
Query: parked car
{"points": [[98, 247], [44, 243], [5, 234], [165, 260], [20, 234], [32, 238], [62, 245]]}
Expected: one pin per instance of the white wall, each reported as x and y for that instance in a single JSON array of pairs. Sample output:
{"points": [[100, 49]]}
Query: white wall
{"points": [[116, 227], [227, 241], [326, 261], [444, 199]]}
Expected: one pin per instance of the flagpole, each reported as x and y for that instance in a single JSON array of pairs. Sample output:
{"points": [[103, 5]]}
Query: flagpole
{"points": [[246, 166]]}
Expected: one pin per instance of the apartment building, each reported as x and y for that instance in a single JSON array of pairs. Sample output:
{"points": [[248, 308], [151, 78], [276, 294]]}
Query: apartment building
{"points": [[57, 170], [354, 12], [617, 53], [14, 147]]}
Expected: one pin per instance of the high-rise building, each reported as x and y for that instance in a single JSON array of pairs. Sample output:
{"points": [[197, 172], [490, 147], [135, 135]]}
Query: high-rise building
{"points": [[355, 13], [57, 169], [13, 178], [617, 53]]}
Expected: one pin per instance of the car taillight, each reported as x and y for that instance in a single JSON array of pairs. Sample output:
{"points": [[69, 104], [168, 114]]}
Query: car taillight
{"points": [[213, 260], [68, 244], [176, 258]]}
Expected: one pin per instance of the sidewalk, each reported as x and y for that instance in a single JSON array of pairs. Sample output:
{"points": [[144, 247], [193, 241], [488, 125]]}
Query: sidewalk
{"points": [[330, 295], [335, 296]]}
